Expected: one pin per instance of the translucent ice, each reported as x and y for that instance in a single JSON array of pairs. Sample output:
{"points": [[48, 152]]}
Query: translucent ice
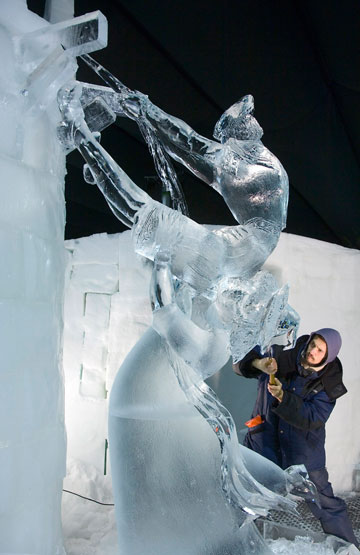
{"points": [[242, 168], [162, 162]]}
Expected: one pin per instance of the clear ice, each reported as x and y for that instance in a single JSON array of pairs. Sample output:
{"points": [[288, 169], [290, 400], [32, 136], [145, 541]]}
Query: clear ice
{"points": [[182, 483]]}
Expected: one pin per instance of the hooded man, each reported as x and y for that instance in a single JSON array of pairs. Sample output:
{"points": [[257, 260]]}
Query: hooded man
{"points": [[287, 425]]}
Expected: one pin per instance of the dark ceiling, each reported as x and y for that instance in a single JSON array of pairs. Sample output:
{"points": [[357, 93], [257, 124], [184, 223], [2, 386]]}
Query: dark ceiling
{"points": [[299, 59]]}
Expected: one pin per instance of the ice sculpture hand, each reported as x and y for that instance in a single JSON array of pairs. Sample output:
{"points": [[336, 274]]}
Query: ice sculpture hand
{"points": [[299, 485], [161, 287], [72, 112], [132, 104], [123, 196]]}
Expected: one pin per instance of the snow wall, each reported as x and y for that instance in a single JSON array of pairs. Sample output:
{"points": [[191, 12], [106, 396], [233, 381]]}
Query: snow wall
{"points": [[107, 309], [32, 219]]}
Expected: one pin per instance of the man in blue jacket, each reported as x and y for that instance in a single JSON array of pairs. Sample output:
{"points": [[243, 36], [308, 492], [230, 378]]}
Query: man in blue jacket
{"points": [[287, 425]]}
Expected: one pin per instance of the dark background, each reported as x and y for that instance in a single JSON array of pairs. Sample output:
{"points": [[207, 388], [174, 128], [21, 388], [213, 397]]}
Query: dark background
{"points": [[299, 59]]}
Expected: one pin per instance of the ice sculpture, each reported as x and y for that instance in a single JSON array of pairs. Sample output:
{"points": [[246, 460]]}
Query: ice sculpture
{"points": [[180, 487], [250, 178], [32, 217]]}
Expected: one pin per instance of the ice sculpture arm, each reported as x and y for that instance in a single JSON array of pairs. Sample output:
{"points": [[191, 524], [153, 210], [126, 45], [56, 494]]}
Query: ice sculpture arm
{"points": [[205, 351], [123, 196], [249, 177], [162, 162], [305, 414], [180, 141], [294, 479]]}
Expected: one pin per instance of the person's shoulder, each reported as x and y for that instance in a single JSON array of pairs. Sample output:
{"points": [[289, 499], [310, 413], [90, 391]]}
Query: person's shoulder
{"points": [[332, 379], [334, 368]]}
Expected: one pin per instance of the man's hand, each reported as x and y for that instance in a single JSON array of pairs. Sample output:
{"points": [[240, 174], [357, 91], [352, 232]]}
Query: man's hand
{"points": [[268, 365], [276, 390]]}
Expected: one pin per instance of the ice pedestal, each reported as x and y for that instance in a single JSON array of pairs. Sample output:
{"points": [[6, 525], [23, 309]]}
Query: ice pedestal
{"points": [[165, 462], [167, 466]]}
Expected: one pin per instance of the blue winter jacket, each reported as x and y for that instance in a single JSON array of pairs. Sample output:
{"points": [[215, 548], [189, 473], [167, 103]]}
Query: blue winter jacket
{"points": [[293, 431]]}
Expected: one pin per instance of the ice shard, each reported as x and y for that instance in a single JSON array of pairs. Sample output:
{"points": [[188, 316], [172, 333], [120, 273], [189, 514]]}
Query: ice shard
{"points": [[32, 219]]}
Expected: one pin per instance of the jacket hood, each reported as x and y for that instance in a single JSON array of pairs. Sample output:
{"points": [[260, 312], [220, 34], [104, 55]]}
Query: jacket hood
{"points": [[333, 341]]}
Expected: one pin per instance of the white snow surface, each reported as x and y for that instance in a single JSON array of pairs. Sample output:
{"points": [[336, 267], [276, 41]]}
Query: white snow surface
{"points": [[107, 310], [299, 545]]}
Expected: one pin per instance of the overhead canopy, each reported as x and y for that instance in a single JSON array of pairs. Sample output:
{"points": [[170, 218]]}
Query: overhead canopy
{"points": [[299, 59]]}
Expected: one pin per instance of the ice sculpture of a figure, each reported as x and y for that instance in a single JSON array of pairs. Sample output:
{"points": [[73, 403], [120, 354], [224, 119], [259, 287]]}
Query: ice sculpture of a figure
{"points": [[209, 299], [250, 178]]}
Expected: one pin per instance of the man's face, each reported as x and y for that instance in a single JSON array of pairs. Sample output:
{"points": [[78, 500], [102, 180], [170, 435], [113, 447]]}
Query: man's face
{"points": [[315, 351]]}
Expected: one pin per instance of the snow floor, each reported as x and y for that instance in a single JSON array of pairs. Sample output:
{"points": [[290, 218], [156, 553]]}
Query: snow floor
{"points": [[90, 529]]}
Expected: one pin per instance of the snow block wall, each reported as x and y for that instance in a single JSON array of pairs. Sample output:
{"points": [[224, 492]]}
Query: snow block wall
{"points": [[32, 219], [107, 310]]}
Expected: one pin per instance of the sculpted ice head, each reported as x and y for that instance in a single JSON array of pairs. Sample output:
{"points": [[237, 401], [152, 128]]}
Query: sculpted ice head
{"points": [[238, 122]]}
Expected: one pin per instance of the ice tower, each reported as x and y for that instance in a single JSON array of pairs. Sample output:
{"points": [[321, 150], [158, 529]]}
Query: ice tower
{"points": [[36, 60]]}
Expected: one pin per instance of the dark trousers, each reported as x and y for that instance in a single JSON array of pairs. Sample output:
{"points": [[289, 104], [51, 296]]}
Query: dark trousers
{"points": [[333, 514]]}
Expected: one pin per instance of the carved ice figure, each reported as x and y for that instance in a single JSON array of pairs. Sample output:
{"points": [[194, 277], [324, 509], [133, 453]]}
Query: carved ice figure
{"points": [[249, 177], [255, 187], [209, 299]]}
